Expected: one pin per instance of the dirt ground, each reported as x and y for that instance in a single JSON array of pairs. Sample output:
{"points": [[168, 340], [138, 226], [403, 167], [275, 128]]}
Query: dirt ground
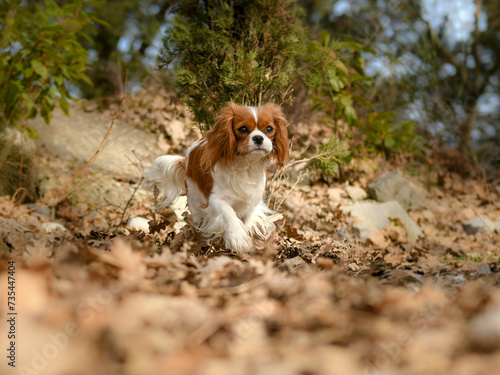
{"points": [[97, 298]]}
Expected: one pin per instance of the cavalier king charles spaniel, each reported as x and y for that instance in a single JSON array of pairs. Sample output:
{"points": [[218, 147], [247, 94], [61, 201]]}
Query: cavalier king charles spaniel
{"points": [[223, 174]]}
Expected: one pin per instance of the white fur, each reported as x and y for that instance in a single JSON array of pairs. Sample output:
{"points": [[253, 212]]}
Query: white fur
{"points": [[266, 146], [169, 178], [235, 210], [254, 113]]}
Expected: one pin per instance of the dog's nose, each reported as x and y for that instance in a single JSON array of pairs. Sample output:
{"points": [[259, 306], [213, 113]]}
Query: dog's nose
{"points": [[258, 139]]}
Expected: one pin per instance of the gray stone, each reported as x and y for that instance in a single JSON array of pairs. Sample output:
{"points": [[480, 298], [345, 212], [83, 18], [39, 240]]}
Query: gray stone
{"points": [[394, 186], [479, 224], [42, 210], [356, 193], [483, 270], [372, 216]]}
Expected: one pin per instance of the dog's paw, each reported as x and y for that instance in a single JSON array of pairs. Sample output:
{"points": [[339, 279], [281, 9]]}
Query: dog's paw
{"points": [[239, 240], [259, 224]]}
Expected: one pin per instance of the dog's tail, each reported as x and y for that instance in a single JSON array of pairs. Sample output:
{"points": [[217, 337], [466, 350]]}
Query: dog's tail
{"points": [[168, 173]]}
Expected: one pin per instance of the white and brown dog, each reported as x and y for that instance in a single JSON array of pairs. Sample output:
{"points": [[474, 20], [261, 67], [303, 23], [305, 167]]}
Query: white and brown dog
{"points": [[223, 174]]}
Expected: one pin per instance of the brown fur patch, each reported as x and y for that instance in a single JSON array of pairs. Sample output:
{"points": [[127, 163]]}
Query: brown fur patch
{"points": [[271, 113], [201, 177]]}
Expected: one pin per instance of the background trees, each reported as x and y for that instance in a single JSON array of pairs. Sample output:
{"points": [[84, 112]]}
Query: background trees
{"points": [[436, 63]]}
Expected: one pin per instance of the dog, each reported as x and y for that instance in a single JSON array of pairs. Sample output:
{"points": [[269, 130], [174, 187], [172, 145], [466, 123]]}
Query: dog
{"points": [[223, 174]]}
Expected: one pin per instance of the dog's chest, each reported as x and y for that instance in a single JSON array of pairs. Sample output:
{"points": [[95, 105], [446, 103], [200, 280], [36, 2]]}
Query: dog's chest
{"points": [[242, 185]]}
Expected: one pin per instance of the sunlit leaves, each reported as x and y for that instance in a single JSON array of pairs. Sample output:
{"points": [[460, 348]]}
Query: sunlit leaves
{"points": [[38, 56]]}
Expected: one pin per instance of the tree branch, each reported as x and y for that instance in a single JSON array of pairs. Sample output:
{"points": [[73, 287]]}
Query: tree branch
{"points": [[475, 42]]}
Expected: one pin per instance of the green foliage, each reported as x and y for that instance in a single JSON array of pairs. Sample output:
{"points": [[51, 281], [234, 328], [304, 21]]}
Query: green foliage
{"points": [[39, 53], [337, 88], [330, 155], [334, 83], [385, 135], [246, 51]]}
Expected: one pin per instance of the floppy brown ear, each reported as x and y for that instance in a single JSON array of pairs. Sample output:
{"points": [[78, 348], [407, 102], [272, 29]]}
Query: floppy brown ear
{"points": [[280, 142], [220, 140]]}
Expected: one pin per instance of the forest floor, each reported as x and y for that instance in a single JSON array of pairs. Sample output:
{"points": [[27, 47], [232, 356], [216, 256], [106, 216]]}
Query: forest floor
{"points": [[97, 298]]}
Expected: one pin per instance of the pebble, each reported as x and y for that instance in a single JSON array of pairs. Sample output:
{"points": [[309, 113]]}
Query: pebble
{"points": [[52, 227], [356, 193], [138, 223], [42, 210], [483, 270]]}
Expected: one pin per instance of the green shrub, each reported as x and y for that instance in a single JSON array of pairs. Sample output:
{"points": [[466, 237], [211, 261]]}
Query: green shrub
{"points": [[385, 134], [39, 52], [337, 87], [246, 51], [334, 85], [330, 156]]}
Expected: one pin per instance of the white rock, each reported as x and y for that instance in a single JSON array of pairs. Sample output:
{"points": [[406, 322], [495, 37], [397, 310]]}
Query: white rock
{"points": [[479, 224], [395, 211], [335, 194], [138, 223], [369, 218], [52, 227], [356, 193], [372, 216]]}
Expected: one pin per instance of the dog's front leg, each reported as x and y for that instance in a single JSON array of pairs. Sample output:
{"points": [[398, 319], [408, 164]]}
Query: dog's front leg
{"points": [[222, 220]]}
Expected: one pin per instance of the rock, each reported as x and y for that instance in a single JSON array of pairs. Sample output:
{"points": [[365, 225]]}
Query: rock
{"points": [[372, 216], [335, 194], [356, 193], [394, 186], [52, 227], [42, 210], [138, 223], [479, 224], [483, 270], [394, 211], [369, 218]]}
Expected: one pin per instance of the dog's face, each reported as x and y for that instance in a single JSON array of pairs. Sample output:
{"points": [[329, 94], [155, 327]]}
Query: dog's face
{"points": [[249, 131], [254, 131]]}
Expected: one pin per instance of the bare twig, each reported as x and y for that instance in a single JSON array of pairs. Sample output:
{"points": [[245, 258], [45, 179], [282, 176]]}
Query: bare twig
{"points": [[130, 201]]}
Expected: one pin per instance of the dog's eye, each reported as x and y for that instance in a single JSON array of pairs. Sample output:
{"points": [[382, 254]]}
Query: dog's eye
{"points": [[269, 129], [243, 130]]}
